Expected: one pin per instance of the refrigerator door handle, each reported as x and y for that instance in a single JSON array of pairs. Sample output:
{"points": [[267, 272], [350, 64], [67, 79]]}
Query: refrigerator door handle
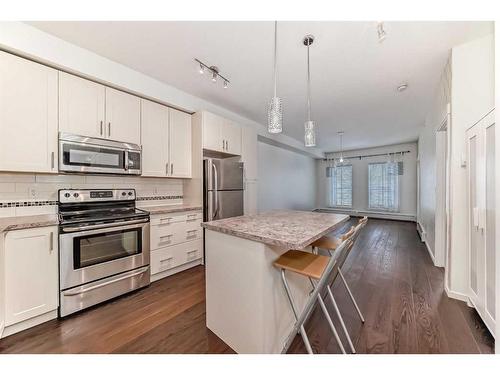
{"points": [[215, 191]]}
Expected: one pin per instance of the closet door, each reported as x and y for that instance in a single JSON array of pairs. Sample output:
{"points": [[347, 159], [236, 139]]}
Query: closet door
{"points": [[490, 227], [476, 238]]}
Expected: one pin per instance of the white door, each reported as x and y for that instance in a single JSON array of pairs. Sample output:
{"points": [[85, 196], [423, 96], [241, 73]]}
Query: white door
{"points": [[211, 130], [28, 115], [232, 135], [123, 116], [154, 139], [81, 106], [31, 273], [476, 238], [180, 144]]}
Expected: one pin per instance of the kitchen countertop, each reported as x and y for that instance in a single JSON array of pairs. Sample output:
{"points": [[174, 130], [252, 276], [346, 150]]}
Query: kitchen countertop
{"points": [[25, 222], [288, 229], [168, 209]]}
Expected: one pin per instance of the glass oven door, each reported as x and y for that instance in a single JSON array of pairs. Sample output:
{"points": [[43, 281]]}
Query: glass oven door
{"points": [[104, 247]]}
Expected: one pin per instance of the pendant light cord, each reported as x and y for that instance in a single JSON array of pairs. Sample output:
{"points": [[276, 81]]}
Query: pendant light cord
{"points": [[275, 55], [308, 86]]}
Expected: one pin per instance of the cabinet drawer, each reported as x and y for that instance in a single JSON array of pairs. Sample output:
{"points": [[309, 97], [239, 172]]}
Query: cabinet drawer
{"points": [[173, 256], [175, 233], [175, 217]]}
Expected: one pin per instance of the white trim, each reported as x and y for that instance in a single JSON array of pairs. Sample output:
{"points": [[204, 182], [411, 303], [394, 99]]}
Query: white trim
{"points": [[430, 252], [25, 324], [371, 214], [170, 272], [456, 295]]}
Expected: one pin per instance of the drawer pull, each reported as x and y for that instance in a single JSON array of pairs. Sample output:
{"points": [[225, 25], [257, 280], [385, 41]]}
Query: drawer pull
{"points": [[192, 254], [168, 236], [166, 263], [167, 219]]}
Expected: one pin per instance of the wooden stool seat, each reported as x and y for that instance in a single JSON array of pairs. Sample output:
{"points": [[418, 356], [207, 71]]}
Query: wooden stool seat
{"points": [[327, 242], [303, 263]]}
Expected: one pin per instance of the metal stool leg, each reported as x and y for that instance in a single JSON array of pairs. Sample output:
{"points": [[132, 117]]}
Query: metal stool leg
{"points": [[329, 319], [340, 318], [295, 313], [352, 297]]}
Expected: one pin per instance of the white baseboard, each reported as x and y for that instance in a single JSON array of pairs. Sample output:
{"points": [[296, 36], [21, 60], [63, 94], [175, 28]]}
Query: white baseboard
{"points": [[25, 324], [370, 214], [430, 253], [456, 295]]}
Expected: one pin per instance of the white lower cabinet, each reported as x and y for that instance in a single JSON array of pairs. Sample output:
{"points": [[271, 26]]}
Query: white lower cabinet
{"points": [[30, 274], [176, 243]]}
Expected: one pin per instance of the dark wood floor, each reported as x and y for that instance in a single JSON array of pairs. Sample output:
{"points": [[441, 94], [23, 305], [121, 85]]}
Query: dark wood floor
{"points": [[391, 274]]}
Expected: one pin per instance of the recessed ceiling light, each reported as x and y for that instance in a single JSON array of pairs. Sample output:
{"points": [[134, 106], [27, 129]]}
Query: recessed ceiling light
{"points": [[402, 87]]}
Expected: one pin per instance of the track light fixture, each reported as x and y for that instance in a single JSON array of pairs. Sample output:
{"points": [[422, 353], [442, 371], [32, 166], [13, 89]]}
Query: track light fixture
{"points": [[382, 35], [214, 73]]}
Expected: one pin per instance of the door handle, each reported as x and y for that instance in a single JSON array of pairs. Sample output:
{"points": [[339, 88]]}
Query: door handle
{"points": [[216, 200], [101, 127], [51, 240], [166, 169], [52, 155], [109, 129], [171, 168]]}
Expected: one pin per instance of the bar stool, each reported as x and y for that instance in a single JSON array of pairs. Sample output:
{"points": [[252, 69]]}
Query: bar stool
{"points": [[331, 243], [314, 267]]}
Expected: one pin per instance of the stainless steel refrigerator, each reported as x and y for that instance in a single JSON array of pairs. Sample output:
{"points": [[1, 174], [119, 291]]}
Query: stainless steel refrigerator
{"points": [[223, 189]]}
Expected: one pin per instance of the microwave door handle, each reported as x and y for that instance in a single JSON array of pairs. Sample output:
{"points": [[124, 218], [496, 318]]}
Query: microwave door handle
{"points": [[215, 191], [126, 160]]}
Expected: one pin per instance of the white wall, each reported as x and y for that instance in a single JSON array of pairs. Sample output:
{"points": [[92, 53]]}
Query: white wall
{"points": [[472, 97], [427, 156], [287, 179], [408, 182]]}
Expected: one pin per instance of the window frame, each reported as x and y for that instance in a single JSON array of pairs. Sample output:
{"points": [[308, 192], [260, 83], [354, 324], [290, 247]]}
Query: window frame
{"points": [[397, 191]]}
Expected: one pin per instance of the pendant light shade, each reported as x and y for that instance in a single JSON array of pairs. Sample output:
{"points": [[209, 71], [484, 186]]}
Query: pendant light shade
{"points": [[309, 125], [341, 135], [275, 110]]}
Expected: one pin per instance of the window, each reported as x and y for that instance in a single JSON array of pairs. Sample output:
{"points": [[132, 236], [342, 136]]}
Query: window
{"points": [[340, 181], [383, 186]]}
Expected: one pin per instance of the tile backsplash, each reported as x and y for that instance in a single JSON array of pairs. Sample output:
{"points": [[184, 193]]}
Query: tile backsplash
{"points": [[28, 193]]}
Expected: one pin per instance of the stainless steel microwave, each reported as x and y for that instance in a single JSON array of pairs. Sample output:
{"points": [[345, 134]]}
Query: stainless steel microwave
{"points": [[80, 154]]}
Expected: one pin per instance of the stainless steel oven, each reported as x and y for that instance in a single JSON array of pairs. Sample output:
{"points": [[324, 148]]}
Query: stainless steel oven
{"points": [[96, 155], [104, 248]]}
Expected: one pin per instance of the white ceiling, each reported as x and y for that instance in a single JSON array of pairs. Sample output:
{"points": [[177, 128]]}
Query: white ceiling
{"points": [[354, 78]]}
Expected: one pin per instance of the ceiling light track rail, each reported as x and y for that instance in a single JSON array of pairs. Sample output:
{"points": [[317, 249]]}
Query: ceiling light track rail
{"points": [[214, 71]]}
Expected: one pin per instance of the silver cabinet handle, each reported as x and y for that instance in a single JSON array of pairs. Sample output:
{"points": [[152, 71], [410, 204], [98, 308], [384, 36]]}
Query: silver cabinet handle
{"points": [[109, 129], [227, 145], [166, 169], [101, 126], [52, 156], [51, 239], [81, 291], [223, 144], [171, 168], [216, 187]]}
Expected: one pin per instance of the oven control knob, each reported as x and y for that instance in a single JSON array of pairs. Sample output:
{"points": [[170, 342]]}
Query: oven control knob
{"points": [[67, 195], [123, 193], [75, 195], [130, 193]]}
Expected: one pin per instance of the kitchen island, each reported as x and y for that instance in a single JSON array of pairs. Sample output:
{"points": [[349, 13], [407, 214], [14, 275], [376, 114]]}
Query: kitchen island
{"points": [[246, 305]]}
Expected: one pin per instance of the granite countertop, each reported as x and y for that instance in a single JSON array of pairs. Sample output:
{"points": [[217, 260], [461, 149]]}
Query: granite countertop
{"points": [[168, 209], [288, 229], [25, 222]]}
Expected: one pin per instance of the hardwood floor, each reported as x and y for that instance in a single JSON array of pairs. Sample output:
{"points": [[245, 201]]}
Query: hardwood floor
{"points": [[389, 270]]}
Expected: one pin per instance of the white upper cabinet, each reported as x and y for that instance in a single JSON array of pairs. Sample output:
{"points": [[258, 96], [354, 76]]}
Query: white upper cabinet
{"points": [[231, 134], [180, 144], [123, 116], [166, 141], [220, 134], [81, 106], [212, 131], [94, 110], [154, 139], [28, 116], [31, 273]]}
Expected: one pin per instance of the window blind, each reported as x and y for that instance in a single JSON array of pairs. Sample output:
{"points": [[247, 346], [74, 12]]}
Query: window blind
{"points": [[383, 186], [340, 185]]}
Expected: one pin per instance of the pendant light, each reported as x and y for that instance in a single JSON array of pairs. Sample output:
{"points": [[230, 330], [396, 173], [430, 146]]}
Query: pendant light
{"points": [[309, 125], [275, 110], [341, 135]]}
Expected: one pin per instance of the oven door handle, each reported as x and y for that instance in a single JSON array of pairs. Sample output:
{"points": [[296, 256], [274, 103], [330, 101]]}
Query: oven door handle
{"points": [[85, 290], [99, 226]]}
